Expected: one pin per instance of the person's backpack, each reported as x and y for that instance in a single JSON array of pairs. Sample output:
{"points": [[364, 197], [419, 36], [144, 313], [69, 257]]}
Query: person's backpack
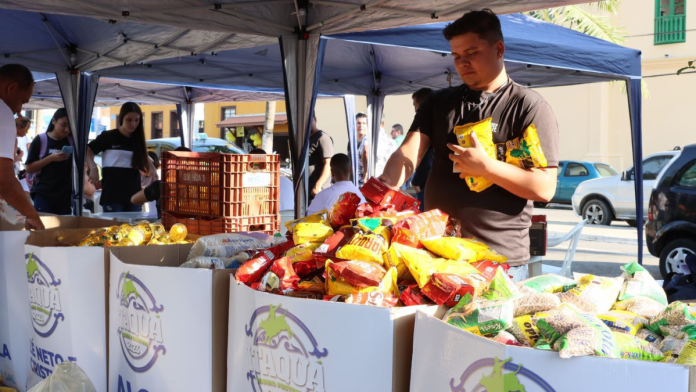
{"points": [[43, 141]]}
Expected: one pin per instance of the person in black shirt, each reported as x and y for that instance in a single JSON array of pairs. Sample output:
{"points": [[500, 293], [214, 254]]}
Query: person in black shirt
{"points": [[320, 153], [420, 177], [125, 155], [52, 186]]}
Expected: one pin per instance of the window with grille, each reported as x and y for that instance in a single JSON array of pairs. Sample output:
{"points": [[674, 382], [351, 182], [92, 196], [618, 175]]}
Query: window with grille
{"points": [[670, 21], [227, 112]]}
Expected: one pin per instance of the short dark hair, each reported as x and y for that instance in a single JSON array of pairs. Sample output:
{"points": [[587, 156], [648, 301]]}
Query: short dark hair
{"points": [[485, 23], [399, 128], [155, 159], [259, 151], [422, 94], [360, 115], [340, 164], [18, 74]]}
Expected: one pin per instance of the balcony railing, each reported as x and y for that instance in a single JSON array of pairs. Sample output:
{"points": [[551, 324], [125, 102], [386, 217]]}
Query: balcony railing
{"points": [[670, 29]]}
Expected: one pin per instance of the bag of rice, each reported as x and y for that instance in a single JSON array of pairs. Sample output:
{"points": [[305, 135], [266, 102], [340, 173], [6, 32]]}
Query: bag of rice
{"points": [[680, 351], [524, 330], [649, 336], [639, 283], [563, 308], [578, 335], [547, 284], [623, 321], [673, 319], [225, 245], [594, 294], [644, 306], [631, 347], [537, 302]]}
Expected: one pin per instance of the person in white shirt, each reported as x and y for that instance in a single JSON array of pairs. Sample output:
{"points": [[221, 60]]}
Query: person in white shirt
{"points": [[385, 148], [340, 172], [16, 88]]}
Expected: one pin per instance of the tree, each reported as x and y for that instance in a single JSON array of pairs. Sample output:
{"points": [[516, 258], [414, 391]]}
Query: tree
{"points": [[689, 66], [268, 126]]}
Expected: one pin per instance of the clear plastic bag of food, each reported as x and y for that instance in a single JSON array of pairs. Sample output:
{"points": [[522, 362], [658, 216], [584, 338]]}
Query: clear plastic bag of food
{"points": [[226, 245], [623, 321], [673, 319], [632, 347], [579, 335], [67, 377], [547, 284], [594, 294], [644, 306], [529, 304], [681, 351], [640, 283], [481, 317], [649, 336]]}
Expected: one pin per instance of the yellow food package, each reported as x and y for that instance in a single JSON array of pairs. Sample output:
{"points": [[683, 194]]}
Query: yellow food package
{"points": [[7, 389], [335, 285], [365, 247], [624, 322], [452, 248], [524, 329], [394, 259], [305, 232], [484, 133], [302, 252], [483, 251], [320, 217], [526, 152], [417, 261]]}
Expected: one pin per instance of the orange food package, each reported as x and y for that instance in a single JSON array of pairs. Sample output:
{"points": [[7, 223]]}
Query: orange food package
{"points": [[359, 273], [488, 268], [343, 209], [308, 289], [411, 230], [375, 298], [448, 289]]}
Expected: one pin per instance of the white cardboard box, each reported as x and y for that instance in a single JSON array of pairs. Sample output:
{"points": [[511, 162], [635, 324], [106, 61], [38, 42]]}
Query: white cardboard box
{"points": [[15, 319], [446, 358], [279, 343], [167, 325]]}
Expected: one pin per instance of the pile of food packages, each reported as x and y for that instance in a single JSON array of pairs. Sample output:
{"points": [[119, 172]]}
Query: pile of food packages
{"points": [[6, 389], [142, 233]]}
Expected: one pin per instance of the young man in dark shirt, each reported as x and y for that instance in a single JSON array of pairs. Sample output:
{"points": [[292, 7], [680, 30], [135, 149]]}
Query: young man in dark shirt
{"points": [[500, 215], [320, 153]]}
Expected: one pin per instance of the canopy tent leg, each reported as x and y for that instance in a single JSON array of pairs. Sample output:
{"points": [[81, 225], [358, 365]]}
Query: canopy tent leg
{"points": [[349, 102], [79, 90], [375, 108], [185, 111], [633, 88], [302, 60]]}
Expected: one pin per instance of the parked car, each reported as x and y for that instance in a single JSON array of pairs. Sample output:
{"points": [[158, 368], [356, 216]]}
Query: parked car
{"points": [[571, 174], [671, 229], [613, 198], [200, 144]]}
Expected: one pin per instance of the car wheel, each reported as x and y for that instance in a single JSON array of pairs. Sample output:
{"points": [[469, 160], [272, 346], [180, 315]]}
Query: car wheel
{"points": [[674, 255], [538, 204], [597, 212], [632, 223]]}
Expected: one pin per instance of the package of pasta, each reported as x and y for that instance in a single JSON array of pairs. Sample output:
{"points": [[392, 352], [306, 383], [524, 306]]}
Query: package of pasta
{"points": [[253, 270], [359, 273], [366, 247], [448, 289], [488, 268], [524, 330], [452, 248], [673, 319], [644, 306], [413, 296], [308, 289], [484, 134], [306, 232], [302, 252], [594, 294], [411, 230], [525, 152], [481, 317], [343, 209], [622, 321], [547, 284], [640, 283]]}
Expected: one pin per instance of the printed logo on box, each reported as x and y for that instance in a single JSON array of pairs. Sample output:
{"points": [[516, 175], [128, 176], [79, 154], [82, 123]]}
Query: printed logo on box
{"points": [[496, 380], [44, 297], [140, 324], [284, 354]]}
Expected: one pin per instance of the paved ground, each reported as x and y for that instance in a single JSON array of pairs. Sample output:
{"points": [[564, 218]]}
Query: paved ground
{"points": [[602, 249]]}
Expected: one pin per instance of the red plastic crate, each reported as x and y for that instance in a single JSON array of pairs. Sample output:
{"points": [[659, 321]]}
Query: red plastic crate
{"points": [[202, 225], [220, 184]]}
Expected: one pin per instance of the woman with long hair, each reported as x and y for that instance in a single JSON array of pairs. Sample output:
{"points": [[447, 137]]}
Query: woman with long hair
{"points": [[124, 157], [50, 167]]}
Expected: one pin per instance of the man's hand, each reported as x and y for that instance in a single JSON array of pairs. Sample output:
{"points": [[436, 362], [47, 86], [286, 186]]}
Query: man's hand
{"points": [[34, 224], [470, 161]]}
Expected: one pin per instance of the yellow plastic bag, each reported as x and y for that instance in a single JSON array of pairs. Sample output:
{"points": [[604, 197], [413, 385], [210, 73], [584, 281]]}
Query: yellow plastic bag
{"points": [[484, 132], [302, 252], [305, 232], [335, 285], [593, 294], [394, 258], [452, 248], [422, 265], [483, 251], [526, 152], [320, 217], [365, 247]]}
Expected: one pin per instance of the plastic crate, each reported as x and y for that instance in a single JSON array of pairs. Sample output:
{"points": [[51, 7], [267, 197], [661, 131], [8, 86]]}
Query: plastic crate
{"points": [[216, 184], [202, 225]]}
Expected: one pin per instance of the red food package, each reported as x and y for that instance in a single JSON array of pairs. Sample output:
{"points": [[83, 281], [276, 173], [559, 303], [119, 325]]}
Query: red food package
{"points": [[378, 192], [411, 230], [253, 269], [283, 269], [413, 296], [305, 268], [343, 209], [454, 228], [308, 289], [376, 298], [332, 244], [448, 289], [364, 210], [383, 210], [359, 273], [488, 268]]}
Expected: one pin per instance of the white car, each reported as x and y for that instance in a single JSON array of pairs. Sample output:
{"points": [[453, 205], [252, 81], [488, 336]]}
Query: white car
{"points": [[200, 144], [613, 198]]}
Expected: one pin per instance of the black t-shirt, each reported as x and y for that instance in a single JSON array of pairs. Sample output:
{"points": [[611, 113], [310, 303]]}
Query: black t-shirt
{"points": [[120, 181], [54, 182], [495, 216], [320, 148], [152, 193]]}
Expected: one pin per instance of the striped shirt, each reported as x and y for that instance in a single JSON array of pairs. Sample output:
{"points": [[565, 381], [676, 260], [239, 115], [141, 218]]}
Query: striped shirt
{"points": [[120, 181]]}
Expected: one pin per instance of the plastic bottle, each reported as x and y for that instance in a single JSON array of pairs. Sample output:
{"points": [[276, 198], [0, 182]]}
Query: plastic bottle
{"points": [[178, 232]]}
